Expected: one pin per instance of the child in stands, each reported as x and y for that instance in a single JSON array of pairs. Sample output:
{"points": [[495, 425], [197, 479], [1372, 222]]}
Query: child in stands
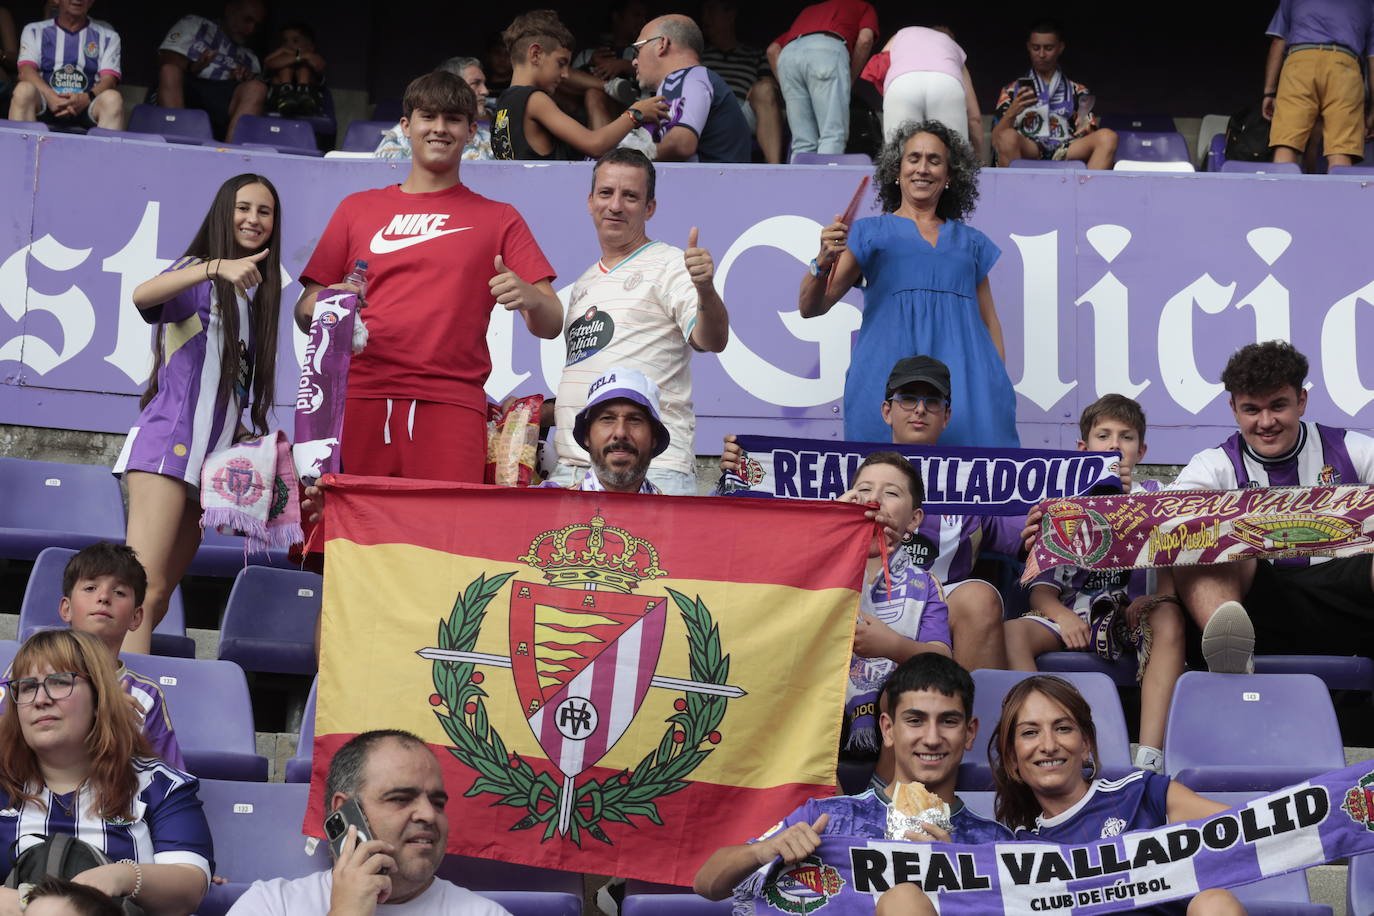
{"points": [[296, 73], [528, 122], [902, 610], [214, 353], [1108, 612]]}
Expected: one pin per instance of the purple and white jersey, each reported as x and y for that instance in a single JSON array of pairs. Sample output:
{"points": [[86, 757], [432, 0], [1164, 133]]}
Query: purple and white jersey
{"points": [[188, 418], [1109, 808], [1080, 589], [948, 545], [168, 826], [916, 609], [157, 723], [865, 815], [70, 62], [193, 36], [1323, 456]]}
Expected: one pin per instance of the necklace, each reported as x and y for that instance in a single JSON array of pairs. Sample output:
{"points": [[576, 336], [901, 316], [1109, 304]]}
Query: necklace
{"points": [[62, 798]]}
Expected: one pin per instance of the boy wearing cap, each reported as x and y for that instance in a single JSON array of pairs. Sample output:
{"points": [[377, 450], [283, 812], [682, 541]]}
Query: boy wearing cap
{"points": [[622, 431]]}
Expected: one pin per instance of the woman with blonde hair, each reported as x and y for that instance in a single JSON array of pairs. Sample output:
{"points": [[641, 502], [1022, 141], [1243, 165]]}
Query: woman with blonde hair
{"points": [[73, 760]]}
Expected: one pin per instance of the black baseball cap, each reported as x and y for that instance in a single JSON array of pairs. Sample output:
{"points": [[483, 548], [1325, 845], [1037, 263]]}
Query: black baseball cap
{"points": [[914, 369]]}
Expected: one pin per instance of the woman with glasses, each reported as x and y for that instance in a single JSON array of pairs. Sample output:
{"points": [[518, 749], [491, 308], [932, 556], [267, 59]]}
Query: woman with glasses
{"points": [[73, 760], [926, 291]]}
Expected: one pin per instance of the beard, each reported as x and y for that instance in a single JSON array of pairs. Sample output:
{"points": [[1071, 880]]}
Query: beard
{"points": [[621, 478]]}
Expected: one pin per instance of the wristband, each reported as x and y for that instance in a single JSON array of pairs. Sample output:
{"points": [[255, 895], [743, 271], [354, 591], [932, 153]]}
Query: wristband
{"points": [[138, 876]]}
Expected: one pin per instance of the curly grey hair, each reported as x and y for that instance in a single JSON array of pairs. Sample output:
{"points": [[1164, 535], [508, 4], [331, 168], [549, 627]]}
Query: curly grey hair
{"points": [[959, 199]]}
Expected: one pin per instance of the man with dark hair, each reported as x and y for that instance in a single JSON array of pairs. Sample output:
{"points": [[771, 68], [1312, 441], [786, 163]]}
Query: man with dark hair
{"points": [[69, 71], [207, 64], [645, 305], [1045, 115], [397, 782], [1315, 606], [622, 430], [394, 143], [704, 122], [745, 70], [928, 723], [416, 405]]}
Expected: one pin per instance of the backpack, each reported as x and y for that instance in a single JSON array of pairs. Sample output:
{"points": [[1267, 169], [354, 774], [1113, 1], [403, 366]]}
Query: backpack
{"points": [[1247, 136], [62, 856]]}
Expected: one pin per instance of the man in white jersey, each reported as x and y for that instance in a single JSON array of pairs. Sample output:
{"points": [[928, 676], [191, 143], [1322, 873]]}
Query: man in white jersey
{"points": [[396, 779], [1313, 606], [69, 71], [644, 305]]}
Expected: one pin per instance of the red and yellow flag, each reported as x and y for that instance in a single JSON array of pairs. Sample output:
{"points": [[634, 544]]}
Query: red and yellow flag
{"points": [[616, 684]]}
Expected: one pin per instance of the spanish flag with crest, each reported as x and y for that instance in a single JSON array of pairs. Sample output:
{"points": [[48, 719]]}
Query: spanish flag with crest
{"points": [[613, 683]]}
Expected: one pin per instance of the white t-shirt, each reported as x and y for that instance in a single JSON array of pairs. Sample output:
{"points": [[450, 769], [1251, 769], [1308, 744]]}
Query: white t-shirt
{"points": [[310, 895], [639, 314]]}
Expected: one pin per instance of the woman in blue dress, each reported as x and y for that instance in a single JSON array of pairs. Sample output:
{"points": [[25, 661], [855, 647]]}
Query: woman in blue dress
{"points": [[926, 291]]}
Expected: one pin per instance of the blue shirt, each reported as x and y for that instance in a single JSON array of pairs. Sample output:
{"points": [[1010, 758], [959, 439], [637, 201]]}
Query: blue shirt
{"points": [[699, 100], [865, 815], [70, 62], [1345, 22], [168, 828]]}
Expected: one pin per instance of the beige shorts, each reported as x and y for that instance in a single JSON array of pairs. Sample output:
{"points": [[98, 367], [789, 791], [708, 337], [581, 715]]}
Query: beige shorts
{"points": [[1319, 83]]}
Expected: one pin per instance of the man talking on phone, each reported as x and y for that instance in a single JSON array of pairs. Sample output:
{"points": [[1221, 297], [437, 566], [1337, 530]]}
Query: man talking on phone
{"points": [[386, 856], [1045, 115]]}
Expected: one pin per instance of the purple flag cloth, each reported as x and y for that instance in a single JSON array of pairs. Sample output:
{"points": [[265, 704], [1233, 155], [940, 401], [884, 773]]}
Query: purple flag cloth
{"points": [[323, 386]]}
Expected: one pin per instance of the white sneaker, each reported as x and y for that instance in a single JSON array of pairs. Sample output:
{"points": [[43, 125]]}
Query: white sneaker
{"points": [[1228, 640]]}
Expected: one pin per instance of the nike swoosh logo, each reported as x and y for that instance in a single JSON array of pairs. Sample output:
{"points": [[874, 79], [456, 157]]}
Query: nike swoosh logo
{"points": [[382, 245]]}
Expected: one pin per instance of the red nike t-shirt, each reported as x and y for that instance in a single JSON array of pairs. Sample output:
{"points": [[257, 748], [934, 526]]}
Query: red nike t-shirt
{"points": [[429, 259]]}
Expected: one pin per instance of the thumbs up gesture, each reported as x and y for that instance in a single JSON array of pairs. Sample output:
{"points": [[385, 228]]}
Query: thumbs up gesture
{"points": [[698, 261], [514, 294], [242, 272]]}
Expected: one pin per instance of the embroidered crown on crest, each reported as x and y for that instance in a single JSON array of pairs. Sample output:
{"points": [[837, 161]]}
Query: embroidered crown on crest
{"points": [[594, 553]]}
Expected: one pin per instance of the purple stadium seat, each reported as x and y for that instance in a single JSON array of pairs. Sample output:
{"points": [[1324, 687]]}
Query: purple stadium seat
{"points": [[239, 147], [256, 827], [363, 136], [1262, 168], [179, 125], [222, 555], [285, 134], [1113, 743], [831, 159], [269, 621], [1154, 123], [33, 127], [485, 875], [537, 903], [1250, 732], [298, 767], [211, 713], [1152, 146], [1359, 889], [8, 648], [1351, 169], [645, 899], [1122, 671], [1216, 153], [125, 135], [44, 591], [1074, 164], [1338, 672], [46, 504]]}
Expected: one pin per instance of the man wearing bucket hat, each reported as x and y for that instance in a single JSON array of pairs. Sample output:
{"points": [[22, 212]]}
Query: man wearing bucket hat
{"points": [[622, 432]]}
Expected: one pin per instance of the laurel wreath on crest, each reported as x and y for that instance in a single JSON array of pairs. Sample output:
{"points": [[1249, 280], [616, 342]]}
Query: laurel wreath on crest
{"points": [[460, 708]]}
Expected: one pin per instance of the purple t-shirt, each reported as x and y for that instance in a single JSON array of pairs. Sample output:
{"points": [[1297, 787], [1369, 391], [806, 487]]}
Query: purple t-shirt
{"points": [[949, 545], [157, 722], [699, 100], [865, 815], [1345, 22], [916, 609]]}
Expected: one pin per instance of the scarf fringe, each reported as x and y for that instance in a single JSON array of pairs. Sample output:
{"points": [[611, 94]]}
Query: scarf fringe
{"points": [[743, 902]]}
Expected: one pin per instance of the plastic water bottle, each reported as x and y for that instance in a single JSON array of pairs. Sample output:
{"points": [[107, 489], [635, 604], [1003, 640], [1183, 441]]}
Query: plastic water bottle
{"points": [[358, 277]]}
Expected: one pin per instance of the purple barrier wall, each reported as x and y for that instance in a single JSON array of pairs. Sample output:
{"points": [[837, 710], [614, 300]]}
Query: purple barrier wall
{"points": [[1141, 284]]}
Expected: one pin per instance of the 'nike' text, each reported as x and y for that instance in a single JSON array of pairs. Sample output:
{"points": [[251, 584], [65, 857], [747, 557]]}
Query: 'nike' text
{"points": [[413, 228]]}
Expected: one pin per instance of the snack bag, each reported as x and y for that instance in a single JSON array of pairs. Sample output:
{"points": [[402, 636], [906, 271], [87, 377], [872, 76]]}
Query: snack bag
{"points": [[512, 440]]}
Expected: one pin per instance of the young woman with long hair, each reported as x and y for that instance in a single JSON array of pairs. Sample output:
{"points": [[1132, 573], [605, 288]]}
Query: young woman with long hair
{"points": [[210, 362]]}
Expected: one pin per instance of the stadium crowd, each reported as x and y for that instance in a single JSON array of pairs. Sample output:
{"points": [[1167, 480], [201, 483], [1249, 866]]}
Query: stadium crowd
{"points": [[90, 748]]}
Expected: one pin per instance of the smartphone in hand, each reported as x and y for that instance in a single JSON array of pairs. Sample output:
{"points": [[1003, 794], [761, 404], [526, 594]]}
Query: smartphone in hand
{"points": [[350, 813]]}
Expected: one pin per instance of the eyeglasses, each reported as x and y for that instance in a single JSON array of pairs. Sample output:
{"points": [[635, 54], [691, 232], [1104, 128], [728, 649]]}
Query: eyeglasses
{"points": [[639, 45], [910, 402], [58, 685]]}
